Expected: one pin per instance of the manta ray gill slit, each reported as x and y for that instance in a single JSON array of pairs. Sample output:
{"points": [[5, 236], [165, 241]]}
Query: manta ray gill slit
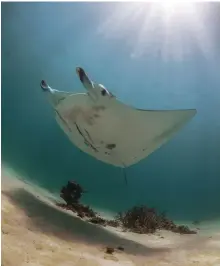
{"points": [[85, 139]]}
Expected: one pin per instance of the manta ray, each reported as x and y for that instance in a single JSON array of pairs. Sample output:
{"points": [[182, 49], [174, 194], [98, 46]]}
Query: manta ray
{"points": [[113, 132]]}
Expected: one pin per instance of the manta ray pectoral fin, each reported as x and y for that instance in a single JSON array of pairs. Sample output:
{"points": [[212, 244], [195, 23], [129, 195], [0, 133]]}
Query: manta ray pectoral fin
{"points": [[142, 132], [130, 135]]}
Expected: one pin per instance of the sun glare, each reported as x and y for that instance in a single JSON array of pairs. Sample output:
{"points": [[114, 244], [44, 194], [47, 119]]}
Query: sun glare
{"points": [[167, 28], [176, 8], [170, 7]]}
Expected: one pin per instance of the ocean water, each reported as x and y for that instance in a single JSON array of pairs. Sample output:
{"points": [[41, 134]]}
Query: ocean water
{"points": [[147, 63]]}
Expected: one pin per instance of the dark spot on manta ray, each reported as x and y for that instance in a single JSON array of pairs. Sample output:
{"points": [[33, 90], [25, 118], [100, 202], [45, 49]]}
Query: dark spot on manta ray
{"points": [[103, 92], [96, 115], [110, 146]]}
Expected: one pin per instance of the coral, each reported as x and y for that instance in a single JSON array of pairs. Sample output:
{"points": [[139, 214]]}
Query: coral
{"points": [[144, 220], [139, 219]]}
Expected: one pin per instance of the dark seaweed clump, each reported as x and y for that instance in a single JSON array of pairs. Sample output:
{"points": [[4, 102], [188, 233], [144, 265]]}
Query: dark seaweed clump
{"points": [[138, 219], [71, 194], [144, 220]]}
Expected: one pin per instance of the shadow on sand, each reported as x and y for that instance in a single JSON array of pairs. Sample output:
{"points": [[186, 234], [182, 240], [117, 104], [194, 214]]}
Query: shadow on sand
{"points": [[51, 221]]}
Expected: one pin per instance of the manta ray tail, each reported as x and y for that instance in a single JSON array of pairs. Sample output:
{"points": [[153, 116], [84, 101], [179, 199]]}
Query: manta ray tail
{"points": [[125, 175]]}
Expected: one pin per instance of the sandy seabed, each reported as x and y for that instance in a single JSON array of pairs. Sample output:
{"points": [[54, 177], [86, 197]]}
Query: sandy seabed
{"points": [[37, 233]]}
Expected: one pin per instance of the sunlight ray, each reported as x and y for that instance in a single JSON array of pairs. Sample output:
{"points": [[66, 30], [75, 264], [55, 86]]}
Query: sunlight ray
{"points": [[169, 29]]}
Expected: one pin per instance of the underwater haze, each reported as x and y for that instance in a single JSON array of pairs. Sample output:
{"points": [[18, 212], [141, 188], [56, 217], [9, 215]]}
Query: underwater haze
{"points": [[159, 61]]}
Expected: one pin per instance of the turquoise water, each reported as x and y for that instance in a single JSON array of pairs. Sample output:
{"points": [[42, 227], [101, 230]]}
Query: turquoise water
{"points": [[48, 40]]}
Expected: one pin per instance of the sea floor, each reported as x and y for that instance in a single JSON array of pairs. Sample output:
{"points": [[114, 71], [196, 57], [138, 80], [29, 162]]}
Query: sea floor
{"points": [[37, 233]]}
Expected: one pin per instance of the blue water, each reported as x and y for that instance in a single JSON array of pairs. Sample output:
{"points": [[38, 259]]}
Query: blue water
{"points": [[48, 40]]}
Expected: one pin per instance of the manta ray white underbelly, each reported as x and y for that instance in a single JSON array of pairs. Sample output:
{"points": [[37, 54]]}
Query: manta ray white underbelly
{"points": [[113, 132]]}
